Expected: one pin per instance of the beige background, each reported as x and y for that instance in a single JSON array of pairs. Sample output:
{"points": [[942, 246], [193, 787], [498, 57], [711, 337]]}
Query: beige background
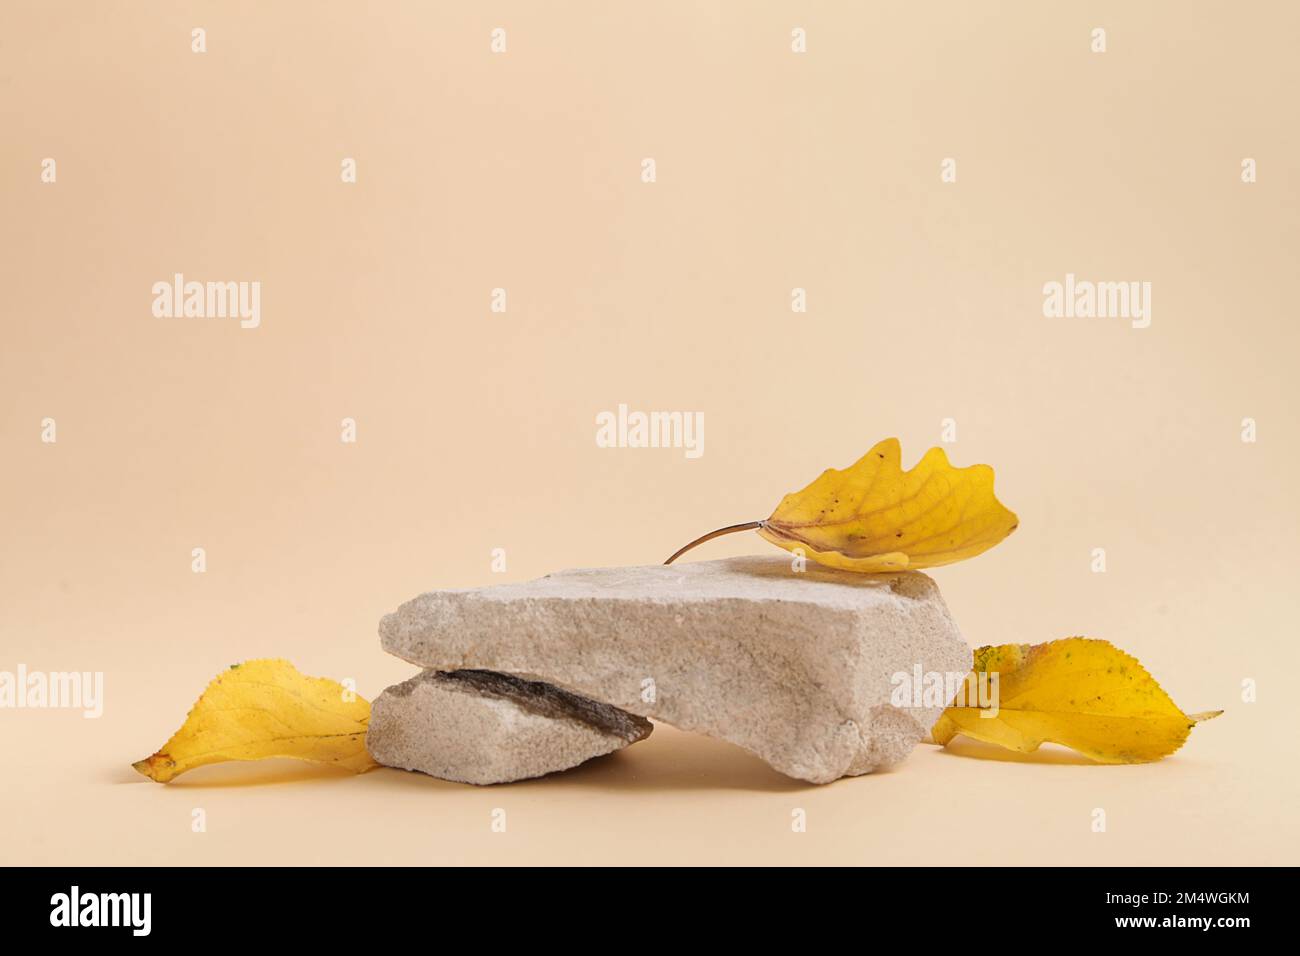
{"points": [[476, 430]]}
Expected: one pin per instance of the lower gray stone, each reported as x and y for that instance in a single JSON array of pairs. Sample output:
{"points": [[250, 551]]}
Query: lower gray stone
{"points": [[480, 727]]}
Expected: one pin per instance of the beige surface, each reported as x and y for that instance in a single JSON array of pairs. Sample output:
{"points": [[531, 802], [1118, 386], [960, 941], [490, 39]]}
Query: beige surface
{"points": [[476, 430]]}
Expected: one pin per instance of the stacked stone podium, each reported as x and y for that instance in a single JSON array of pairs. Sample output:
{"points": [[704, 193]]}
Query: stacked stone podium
{"points": [[796, 666]]}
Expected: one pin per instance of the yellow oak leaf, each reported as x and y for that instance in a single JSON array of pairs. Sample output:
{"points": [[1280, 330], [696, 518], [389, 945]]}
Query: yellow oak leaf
{"points": [[873, 516], [1085, 694], [266, 708]]}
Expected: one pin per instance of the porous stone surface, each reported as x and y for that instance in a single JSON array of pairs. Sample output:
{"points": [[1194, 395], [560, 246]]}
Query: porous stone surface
{"points": [[474, 726], [795, 666]]}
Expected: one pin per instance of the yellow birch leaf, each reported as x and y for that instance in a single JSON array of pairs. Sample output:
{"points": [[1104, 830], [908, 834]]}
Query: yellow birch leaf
{"points": [[1085, 694], [873, 516], [265, 708]]}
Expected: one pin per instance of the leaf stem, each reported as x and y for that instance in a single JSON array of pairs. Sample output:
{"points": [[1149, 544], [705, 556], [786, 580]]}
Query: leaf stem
{"points": [[747, 526]]}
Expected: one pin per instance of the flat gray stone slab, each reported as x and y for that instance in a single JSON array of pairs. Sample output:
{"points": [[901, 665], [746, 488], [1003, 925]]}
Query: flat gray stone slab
{"points": [[483, 728], [797, 667]]}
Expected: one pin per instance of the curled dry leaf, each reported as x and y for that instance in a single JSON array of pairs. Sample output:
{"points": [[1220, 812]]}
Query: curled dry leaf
{"points": [[266, 708], [873, 516], [1085, 694]]}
